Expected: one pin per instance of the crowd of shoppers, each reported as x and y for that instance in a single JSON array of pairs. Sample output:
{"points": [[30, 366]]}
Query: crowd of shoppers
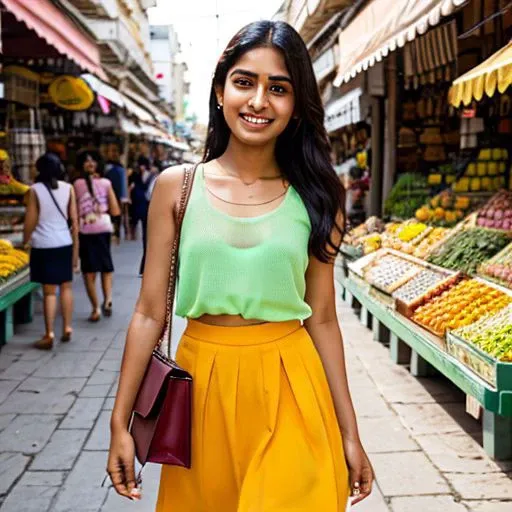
{"points": [[69, 228]]}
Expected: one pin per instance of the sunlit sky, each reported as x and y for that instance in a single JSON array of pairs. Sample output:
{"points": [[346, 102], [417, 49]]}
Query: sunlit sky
{"points": [[203, 38]]}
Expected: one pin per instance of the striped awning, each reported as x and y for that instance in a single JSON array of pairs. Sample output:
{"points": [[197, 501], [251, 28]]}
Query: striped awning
{"points": [[494, 74], [382, 27]]}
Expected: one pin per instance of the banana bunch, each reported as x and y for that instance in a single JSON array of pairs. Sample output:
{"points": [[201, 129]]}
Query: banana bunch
{"points": [[14, 187], [11, 260]]}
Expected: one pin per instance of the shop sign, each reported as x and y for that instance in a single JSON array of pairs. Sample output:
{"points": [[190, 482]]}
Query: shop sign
{"points": [[71, 93]]}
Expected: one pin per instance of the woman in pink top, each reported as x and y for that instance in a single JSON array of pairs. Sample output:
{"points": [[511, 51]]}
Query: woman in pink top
{"points": [[96, 204]]}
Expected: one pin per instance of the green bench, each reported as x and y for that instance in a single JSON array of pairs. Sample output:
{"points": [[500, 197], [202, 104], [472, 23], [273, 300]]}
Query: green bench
{"points": [[16, 307], [496, 403]]}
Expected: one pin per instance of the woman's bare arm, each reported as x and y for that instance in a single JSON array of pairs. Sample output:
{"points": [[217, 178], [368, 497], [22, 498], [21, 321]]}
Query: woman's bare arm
{"points": [[73, 216], [113, 205], [325, 332], [148, 319], [31, 217]]}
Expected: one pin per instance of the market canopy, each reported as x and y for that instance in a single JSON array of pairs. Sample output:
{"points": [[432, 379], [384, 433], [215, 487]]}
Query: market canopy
{"points": [[44, 18], [382, 27], [494, 73]]}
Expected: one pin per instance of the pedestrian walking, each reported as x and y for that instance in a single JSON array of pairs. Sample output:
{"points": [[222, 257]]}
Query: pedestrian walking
{"points": [[142, 184], [116, 173], [51, 228], [273, 425], [96, 204]]}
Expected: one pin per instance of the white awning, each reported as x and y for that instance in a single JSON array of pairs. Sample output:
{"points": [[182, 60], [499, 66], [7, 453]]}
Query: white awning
{"points": [[382, 27], [103, 89], [153, 109], [343, 111], [138, 112], [128, 126]]}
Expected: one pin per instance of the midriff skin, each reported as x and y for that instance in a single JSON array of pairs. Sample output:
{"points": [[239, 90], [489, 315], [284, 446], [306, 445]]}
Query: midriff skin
{"points": [[227, 320]]}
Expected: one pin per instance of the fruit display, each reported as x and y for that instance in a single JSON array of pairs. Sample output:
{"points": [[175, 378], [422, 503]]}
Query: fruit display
{"points": [[486, 174], [468, 249], [481, 345], [408, 194], [497, 212], [460, 305], [491, 334], [444, 209], [411, 231], [389, 272], [364, 238], [499, 268], [421, 288], [11, 260], [12, 187], [429, 242]]}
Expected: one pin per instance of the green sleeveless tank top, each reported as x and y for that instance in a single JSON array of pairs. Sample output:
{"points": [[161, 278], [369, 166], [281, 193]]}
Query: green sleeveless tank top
{"points": [[254, 267]]}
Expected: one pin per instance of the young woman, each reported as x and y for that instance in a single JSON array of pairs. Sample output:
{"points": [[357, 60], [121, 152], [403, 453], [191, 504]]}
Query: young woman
{"points": [[96, 204], [274, 428], [51, 210]]}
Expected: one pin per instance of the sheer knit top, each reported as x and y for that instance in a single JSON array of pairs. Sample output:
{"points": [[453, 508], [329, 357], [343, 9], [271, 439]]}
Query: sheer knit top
{"points": [[249, 266]]}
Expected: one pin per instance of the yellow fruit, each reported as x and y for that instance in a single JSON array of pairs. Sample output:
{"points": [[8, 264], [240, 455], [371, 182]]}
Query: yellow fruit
{"points": [[450, 216], [450, 178], [434, 202], [487, 184], [492, 168], [446, 201], [475, 184], [439, 213], [463, 185], [423, 214], [471, 169], [462, 203], [434, 179]]}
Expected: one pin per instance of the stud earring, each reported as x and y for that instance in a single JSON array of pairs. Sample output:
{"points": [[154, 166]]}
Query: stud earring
{"points": [[219, 106]]}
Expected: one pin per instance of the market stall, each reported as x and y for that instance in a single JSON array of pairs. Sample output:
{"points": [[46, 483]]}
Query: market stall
{"points": [[460, 324]]}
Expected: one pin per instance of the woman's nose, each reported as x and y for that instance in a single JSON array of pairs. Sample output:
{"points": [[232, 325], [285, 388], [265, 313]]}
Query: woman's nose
{"points": [[259, 100]]}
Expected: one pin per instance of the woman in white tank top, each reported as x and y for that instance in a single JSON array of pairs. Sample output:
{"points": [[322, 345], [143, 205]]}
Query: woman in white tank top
{"points": [[51, 227]]}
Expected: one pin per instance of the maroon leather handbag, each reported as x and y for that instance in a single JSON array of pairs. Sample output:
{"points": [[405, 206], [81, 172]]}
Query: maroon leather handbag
{"points": [[162, 415]]}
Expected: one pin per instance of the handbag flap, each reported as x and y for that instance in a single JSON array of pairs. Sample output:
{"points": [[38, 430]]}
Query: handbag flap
{"points": [[156, 375]]}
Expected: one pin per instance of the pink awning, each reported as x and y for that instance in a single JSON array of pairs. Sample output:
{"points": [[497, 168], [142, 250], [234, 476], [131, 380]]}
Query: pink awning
{"points": [[44, 18]]}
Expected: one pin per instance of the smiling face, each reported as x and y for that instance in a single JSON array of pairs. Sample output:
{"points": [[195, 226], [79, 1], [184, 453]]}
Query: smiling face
{"points": [[258, 98]]}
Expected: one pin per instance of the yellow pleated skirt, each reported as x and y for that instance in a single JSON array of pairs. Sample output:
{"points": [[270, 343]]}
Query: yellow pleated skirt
{"points": [[265, 437]]}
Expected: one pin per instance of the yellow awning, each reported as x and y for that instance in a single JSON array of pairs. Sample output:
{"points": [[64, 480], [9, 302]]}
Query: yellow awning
{"points": [[493, 74], [382, 27]]}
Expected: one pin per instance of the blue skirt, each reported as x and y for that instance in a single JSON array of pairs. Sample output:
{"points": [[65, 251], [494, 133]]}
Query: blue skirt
{"points": [[51, 266]]}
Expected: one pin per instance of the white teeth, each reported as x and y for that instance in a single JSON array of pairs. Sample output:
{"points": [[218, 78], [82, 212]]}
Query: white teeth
{"points": [[256, 120]]}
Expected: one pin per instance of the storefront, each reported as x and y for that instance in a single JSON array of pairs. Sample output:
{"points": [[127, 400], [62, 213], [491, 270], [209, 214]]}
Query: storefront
{"points": [[438, 286]]}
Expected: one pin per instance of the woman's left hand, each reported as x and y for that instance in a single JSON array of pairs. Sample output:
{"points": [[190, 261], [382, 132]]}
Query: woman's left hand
{"points": [[360, 470]]}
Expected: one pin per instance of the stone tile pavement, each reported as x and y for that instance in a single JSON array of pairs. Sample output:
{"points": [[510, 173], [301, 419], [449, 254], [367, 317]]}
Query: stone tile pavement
{"points": [[54, 413]]}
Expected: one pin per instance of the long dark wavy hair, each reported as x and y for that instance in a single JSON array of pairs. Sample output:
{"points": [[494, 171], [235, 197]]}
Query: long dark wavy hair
{"points": [[303, 149]]}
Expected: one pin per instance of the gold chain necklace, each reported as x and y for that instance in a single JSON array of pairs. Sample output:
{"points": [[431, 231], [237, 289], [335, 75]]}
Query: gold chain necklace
{"points": [[245, 204]]}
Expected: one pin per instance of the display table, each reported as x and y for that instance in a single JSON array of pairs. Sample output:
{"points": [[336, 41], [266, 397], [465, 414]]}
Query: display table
{"points": [[16, 304], [496, 403]]}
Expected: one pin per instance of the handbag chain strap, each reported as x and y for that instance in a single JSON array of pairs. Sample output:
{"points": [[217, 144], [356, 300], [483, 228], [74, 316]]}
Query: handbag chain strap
{"points": [[171, 289]]}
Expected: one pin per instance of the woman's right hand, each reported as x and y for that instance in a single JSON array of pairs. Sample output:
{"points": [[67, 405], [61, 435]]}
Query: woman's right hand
{"points": [[121, 464]]}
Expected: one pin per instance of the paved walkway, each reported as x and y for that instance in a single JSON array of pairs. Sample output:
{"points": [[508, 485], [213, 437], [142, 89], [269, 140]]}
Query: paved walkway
{"points": [[55, 407]]}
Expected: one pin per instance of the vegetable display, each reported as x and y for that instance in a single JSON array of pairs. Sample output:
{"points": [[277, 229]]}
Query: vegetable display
{"points": [[459, 306], [407, 195], [466, 250]]}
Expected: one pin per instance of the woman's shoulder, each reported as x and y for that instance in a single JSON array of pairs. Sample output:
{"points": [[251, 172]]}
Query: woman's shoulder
{"points": [[172, 176]]}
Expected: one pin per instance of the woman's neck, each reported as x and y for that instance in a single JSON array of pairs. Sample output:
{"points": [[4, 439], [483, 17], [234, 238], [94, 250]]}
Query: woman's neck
{"points": [[249, 162]]}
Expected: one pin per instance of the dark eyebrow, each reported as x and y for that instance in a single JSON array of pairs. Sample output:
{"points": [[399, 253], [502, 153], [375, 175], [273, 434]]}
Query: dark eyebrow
{"points": [[275, 78]]}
